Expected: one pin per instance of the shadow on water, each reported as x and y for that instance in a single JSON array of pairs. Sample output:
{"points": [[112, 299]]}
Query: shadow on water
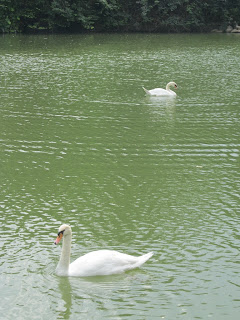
{"points": [[94, 295], [82, 289], [65, 289], [161, 107]]}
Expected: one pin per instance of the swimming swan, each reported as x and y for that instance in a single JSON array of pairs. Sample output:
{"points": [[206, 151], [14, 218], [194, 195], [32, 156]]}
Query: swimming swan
{"points": [[101, 262], [162, 92]]}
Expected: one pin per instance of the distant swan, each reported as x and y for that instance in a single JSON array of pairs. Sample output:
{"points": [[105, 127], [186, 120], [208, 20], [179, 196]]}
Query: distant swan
{"points": [[101, 262], [162, 92]]}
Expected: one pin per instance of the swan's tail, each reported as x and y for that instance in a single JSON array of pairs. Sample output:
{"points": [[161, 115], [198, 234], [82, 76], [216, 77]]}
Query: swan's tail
{"points": [[147, 92], [144, 258], [132, 262]]}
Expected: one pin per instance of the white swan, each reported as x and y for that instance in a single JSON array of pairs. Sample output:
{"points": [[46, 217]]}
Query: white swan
{"points": [[101, 262], [162, 92]]}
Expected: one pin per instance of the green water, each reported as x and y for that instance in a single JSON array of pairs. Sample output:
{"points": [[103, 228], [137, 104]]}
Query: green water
{"points": [[82, 144]]}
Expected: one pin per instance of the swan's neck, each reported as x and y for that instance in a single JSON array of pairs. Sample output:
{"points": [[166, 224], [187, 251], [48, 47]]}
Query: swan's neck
{"points": [[168, 87], [63, 264]]}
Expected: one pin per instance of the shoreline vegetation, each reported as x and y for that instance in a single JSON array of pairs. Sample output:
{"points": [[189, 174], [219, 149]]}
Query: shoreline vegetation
{"points": [[80, 16]]}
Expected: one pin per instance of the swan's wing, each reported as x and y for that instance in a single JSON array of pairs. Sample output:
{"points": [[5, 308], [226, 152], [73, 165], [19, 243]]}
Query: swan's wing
{"points": [[158, 92], [161, 92], [104, 262]]}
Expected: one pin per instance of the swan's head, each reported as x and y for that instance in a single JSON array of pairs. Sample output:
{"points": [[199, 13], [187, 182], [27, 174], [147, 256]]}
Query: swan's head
{"points": [[172, 84], [64, 230]]}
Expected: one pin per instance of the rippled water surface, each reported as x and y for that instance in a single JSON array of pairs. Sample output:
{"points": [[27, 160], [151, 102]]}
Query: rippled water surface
{"points": [[82, 144]]}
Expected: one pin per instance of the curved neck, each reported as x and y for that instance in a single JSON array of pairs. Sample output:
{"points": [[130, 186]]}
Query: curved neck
{"points": [[63, 264], [168, 87]]}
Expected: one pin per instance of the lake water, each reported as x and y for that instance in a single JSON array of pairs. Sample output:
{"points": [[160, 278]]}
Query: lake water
{"points": [[82, 144]]}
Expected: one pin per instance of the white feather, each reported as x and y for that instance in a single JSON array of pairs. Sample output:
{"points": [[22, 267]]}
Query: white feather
{"points": [[162, 92], [101, 262]]}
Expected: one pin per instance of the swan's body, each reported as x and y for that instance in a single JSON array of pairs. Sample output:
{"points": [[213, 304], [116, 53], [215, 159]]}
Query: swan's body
{"points": [[163, 92], [101, 262]]}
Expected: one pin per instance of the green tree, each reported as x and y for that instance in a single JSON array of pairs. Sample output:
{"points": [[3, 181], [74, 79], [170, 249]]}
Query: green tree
{"points": [[117, 15]]}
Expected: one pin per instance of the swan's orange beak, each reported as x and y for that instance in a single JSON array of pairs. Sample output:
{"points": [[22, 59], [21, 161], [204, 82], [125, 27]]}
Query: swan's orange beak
{"points": [[59, 237]]}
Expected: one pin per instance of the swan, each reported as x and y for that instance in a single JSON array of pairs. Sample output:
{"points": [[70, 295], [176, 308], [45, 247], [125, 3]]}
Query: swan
{"points": [[95, 263], [162, 92]]}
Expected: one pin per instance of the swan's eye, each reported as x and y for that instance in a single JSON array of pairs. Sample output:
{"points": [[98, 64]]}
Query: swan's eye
{"points": [[60, 232]]}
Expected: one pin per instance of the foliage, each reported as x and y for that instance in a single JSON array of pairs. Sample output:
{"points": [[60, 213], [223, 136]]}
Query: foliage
{"points": [[117, 15]]}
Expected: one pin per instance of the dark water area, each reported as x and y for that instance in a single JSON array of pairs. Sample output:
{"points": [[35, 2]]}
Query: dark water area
{"points": [[82, 144]]}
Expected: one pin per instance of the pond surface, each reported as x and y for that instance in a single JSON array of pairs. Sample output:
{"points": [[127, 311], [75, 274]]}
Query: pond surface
{"points": [[82, 144]]}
